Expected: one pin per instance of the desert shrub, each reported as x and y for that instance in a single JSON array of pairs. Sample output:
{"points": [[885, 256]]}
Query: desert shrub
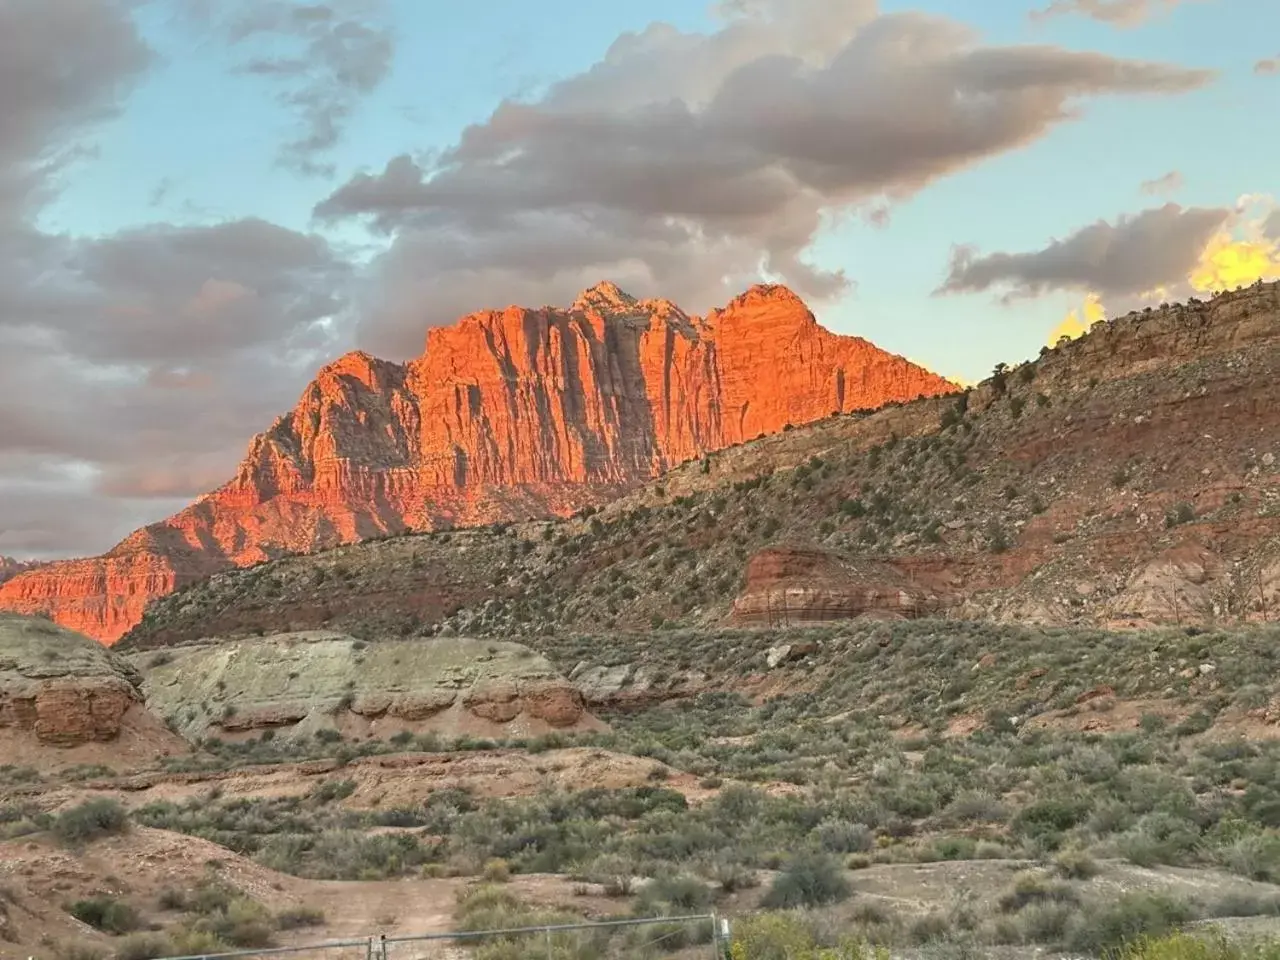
{"points": [[80, 951], [1184, 946], [295, 918], [106, 914], [196, 942], [1253, 855], [839, 836], [1125, 920], [243, 923], [488, 907], [1045, 921], [1035, 888], [171, 898], [731, 877], [810, 880], [90, 820], [1075, 864], [496, 871], [680, 891], [144, 946], [330, 790], [785, 936]]}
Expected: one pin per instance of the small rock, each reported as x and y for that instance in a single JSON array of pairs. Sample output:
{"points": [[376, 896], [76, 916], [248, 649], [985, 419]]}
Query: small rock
{"points": [[1206, 669]]}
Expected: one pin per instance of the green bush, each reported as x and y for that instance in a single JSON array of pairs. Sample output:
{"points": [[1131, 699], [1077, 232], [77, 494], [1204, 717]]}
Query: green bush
{"points": [[777, 936], [90, 820], [144, 946], [810, 880], [1127, 919], [1184, 946], [106, 914], [295, 918]]}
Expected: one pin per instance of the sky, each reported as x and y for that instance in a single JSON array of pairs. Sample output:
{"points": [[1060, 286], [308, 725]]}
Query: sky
{"points": [[202, 201]]}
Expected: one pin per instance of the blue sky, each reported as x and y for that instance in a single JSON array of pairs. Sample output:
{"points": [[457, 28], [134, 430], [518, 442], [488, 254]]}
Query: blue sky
{"points": [[197, 143], [170, 274]]}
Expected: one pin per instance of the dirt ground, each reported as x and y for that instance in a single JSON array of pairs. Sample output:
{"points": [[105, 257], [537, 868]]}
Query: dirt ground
{"points": [[383, 782], [38, 878]]}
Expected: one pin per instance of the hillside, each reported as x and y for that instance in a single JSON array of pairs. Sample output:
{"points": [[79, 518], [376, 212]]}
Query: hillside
{"points": [[1130, 477], [507, 415], [1007, 791]]}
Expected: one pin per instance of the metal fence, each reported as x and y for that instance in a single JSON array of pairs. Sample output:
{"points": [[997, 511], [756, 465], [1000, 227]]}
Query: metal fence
{"points": [[703, 935]]}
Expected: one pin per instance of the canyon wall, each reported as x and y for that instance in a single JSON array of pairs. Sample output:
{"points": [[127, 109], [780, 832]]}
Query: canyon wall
{"points": [[507, 415]]}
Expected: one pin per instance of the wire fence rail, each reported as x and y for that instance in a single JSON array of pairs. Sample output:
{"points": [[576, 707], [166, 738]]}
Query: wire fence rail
{"points": [[701, 934]]}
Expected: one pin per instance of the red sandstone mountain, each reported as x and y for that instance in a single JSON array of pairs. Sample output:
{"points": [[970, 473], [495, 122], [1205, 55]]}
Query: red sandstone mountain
{"points": [[507, 414]]}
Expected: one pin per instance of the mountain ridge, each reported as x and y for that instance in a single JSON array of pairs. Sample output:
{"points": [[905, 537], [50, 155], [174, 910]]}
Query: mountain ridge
{"points": [[508, 414], [1127, 478]]}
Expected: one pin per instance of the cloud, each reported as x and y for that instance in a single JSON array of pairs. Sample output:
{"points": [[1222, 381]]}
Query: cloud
{"points": [[1267, 66], [1159, 255], [322, 58], [63, 67], [683, 163], [1134, 254], [133, 364], [1169, 183], [1119, 13]]}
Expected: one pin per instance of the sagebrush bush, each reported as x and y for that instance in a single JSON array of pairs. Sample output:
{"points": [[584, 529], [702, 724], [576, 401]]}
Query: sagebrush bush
{"points": [[809, 880], [144, 946], [106, 914], [90, 820], [1127, 919]]}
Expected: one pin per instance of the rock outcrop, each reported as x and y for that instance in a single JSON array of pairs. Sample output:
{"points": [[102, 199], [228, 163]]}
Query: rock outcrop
{"points": [[10, 568], [791, 585], [508, 414], [301, 683], [61, 690]]}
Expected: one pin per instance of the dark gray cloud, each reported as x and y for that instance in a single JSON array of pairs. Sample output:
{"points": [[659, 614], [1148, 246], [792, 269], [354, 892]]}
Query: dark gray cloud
{"points": [[1169, 183], [322, 58], [683, 162], [63, 66], [1120, 13], [135, 365], [1154, 248]]}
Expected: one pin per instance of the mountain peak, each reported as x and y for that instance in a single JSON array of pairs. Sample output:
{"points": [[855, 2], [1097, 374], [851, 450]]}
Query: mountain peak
{"points": [[605, 297], [357, 364]]}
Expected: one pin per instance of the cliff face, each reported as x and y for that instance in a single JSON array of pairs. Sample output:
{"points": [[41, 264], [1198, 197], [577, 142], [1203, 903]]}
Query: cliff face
{"points": [[507, 414], [59, 689], [10, 568]]}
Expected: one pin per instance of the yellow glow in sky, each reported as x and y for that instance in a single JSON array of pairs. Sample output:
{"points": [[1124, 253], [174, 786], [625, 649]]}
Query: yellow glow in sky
{"points": [[1228, 263], [1077, 323]]}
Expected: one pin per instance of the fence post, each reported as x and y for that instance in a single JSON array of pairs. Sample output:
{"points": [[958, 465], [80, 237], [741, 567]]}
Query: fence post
{"points": [[368, 949], [548, 932]]}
